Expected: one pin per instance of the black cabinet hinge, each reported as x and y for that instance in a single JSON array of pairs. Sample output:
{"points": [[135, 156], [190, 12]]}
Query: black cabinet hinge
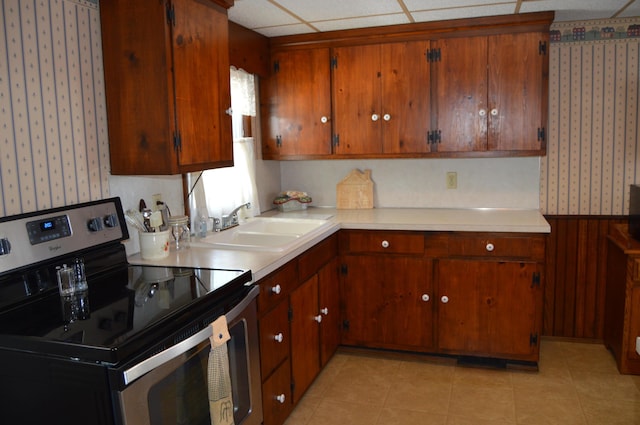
{"points": [[434, 136], [542, 48], [541, 134], [344, 269], [533, 339], [433, 55], [177, 141], [334, 62], [335, 140], [171, 15], [290, 314], [279, 140], [345, 325], [276, 66], [535, 279]]}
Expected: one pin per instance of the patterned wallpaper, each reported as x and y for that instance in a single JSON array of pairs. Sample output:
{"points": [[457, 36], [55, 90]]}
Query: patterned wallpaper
{"points": [[53, 134], [592, 148]]}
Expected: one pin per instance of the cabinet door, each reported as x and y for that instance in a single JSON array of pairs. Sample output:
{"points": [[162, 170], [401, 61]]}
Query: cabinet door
{"points": [[517, 91], [329, 303], [406, 97], [296, 103], [356, 100], [461, 94], [276, 396], [489, 308], [384, 304], [274, 338], [201, 78], [167, 86], [305, 336]]}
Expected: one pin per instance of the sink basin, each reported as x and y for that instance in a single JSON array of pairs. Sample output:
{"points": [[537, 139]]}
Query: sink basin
{"points": [[265, 234]]}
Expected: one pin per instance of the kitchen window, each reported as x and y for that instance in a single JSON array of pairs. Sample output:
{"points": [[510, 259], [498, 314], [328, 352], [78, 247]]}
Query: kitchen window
{"points": [[218, 191]]}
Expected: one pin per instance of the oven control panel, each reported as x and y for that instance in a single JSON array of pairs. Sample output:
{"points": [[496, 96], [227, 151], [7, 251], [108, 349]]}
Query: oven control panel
{"points": [[27, 239]]}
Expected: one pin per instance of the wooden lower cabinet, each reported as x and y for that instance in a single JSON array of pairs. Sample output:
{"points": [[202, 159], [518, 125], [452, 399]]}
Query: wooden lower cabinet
{"points": [[387, 302], [305, 336], [489, 308], [622, 309], [276, 400], [299, 323], [457, 293]]}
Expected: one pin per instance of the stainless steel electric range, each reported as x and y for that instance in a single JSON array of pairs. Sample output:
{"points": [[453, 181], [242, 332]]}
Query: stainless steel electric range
{"points": [[133, 348]]}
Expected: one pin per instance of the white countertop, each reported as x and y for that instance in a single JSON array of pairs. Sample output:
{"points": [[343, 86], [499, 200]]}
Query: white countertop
{"points": [[262, 263]]}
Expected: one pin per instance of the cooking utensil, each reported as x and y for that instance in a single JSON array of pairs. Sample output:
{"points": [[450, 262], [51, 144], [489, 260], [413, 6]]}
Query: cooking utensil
{"points": [[135, 219]]}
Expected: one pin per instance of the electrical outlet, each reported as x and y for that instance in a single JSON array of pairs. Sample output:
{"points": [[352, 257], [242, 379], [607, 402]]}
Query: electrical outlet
{"points": [[452, 180], [154, 201]]}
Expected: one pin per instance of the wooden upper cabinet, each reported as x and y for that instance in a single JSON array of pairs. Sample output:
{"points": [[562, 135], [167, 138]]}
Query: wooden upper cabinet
{"points": [[296, 105], [491, 94], [167, 85], [381, 98]]}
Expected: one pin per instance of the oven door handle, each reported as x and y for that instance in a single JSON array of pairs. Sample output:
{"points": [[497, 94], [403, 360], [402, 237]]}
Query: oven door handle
{"points": [[182, 347]]}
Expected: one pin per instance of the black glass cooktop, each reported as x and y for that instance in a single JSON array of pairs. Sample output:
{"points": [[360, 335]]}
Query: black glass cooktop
{"points": [[125, 310]]}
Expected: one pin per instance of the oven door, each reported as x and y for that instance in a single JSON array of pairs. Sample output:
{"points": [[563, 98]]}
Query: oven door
{"points": [[171, 387]]}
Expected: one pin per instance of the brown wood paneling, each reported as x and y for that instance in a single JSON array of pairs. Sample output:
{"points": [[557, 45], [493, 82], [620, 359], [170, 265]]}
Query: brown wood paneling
{"points": [[575, 280], [248, 50]]}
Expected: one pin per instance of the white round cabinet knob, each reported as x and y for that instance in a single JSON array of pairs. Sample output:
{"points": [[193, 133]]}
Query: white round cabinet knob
{"points": [[281, 398], [279, 337], [425, 297], [324, 120], [494, 112], [444, 299], [375, 117], [318, 318], [385, 244], [386, 117], [482, 112], [325, 311], [276, 289], [490, 247]]}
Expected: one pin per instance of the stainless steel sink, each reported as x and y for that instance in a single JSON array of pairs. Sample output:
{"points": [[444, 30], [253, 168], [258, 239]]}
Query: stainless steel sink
{"points": [[265, 234]]}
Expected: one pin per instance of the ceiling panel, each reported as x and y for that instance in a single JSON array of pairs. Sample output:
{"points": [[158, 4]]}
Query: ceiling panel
{"points": [[463, 12], [285, 17], [314, 10]]}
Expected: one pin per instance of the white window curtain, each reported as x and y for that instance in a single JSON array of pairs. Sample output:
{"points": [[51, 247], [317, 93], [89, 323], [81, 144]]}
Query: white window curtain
{"points": [[219, 191]]}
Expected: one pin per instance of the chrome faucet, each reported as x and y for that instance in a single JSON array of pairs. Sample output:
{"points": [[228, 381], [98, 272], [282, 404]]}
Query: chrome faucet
{"points": [[229, 220]]}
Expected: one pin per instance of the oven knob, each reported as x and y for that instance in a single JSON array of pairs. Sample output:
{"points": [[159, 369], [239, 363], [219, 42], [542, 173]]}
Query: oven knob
{"points": [[5, 246], [94, 224], [111, 220]]}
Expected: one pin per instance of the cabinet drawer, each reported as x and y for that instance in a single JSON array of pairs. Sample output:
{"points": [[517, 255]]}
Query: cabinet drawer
{"points": [[274, 338], [383, 242], [312, 260], [491, 245], [277, 286], [276, 396]]}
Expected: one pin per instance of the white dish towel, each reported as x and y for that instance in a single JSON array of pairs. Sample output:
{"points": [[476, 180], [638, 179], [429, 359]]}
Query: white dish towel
{"points": [[220, 397]]}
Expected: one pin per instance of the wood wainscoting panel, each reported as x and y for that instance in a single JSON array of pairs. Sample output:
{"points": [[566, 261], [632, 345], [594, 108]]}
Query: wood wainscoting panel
{"points": [[574, 297]]}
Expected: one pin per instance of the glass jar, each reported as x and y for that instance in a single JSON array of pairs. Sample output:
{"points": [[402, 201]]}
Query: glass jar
{"points": [[179, 227]]}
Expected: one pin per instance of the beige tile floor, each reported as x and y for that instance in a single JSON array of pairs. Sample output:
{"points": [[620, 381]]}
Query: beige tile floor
{"points": [[577, 384]]}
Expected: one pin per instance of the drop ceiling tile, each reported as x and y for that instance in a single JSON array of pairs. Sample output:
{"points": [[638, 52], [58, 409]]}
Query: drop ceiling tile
{"points": [[259, 13], [427, 5], [463, 12], [633, 10], [285, 30], [371, 21], [575, 9], [314, 10]]}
